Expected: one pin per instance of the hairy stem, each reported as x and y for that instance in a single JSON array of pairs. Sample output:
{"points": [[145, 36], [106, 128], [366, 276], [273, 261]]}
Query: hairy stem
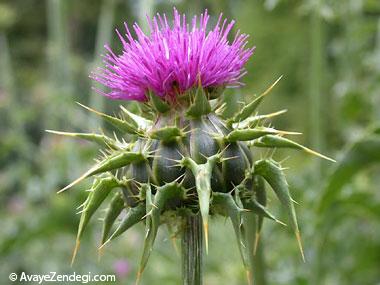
{"points": [[192, 250]]}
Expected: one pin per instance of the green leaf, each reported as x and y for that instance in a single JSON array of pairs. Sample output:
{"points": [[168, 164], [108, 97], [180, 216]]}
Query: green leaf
{"points": [[359, 156], [260, 210], [275, 141], [166, 134], [100, 189], [200, 106], [253, 121], [252, 204], [225, 205], [154, 207], [257, 261], [122, 125], [273, 174], [261, 196], [249, 109], [133, 216], [136, 120], [202, 174], [158, 104], [115, 208], [361, 204], [254, 133], [101, 140], [116, 160]]}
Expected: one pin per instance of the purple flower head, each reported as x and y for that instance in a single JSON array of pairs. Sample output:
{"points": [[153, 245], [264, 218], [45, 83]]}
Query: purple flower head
{"points": [[174, 58]]}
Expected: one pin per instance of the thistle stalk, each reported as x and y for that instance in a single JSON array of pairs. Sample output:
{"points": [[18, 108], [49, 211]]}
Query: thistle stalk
{"points": [[192, 250]]}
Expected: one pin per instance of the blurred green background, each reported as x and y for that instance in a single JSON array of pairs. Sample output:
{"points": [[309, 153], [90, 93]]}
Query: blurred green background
{"points": [[329, 53]]}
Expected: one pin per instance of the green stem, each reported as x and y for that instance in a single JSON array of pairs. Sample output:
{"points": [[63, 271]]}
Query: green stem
{"points": [[259, 267], [104, 34], [316, 82], [6, 76], [60, 80], [316, 115], [58, 47], [192, 250]]}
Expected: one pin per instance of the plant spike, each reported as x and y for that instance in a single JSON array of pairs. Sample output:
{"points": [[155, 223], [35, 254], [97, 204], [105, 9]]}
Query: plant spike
{"points": [[245, 232], [254, 203], [115, 161], [134, 215], [260, 192], [166, 134], [253, 121], [101, 140], [225, 205], [202, 174], [250, 202], [157, 103], [249, 109], [261, 211], [273, 174], [120, 124], [255, 133], [275, 141], [116, 206], [137, 120], [100, 189], [155, 205], [201, 105], [148, 242]]}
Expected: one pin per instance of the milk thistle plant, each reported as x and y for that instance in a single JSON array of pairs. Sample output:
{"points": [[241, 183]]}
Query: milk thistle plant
{"points": [[178, 161]]}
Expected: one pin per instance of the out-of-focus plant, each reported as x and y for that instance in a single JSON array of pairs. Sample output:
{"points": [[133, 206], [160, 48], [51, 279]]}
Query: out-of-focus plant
{"points": [[335, 203]]}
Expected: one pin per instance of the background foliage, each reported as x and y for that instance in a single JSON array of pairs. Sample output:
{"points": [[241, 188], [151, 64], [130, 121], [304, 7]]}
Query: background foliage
{"points": [[329, 53]]}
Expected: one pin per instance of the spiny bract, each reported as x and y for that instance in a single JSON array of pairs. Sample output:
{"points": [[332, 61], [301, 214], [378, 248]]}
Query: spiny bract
{"points": [[179, 156]]}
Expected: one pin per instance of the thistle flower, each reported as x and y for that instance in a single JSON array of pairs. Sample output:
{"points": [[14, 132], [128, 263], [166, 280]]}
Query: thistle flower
{"points": [[173, 59], [180, 161]]}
